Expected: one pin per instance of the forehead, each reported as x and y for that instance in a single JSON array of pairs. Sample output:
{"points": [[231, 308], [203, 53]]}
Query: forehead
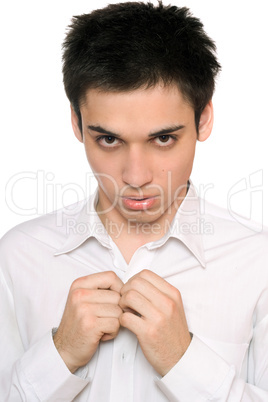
{"points": [[142, 109]]}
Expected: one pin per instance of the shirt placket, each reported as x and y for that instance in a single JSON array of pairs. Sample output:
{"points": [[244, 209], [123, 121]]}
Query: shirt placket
{"points": [[126, 343], [124, 352]]}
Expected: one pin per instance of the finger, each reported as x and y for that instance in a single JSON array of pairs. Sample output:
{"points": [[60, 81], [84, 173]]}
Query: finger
{"points": [[101, 280], [130, 310], [140, 304], [132, 322], [147, 290], [94, 296], [109, 337], [141, 285], [109, 327], [102, 310], [161, 284]]}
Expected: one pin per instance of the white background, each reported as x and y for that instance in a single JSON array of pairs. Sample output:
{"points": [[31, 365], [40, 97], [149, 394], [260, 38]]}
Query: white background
{"points": [[36, 134]]}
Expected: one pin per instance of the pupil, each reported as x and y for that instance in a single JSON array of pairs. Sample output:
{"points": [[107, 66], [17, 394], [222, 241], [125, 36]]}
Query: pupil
{"points": [[110, 139], [164, 138]]}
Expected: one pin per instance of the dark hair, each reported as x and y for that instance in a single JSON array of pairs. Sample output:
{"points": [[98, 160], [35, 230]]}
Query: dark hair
{"points": [[130, 45]]}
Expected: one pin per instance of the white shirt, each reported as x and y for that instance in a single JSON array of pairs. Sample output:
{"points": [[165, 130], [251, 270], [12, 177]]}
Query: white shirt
{"points": [[220, 267]]}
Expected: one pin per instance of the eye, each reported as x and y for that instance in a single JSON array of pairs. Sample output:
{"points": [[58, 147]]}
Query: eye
{"points": [[107, 141], [164, 140]]}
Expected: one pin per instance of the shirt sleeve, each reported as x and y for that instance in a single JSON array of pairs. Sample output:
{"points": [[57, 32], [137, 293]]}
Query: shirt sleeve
{"points": [[36, 374], [202, 375]]}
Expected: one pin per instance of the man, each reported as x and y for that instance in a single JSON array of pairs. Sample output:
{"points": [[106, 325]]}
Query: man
{"points": [[160, 296]]}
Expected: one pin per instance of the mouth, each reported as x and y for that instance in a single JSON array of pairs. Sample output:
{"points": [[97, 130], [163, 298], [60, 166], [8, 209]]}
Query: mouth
{"points": [[137, 198], [139, 203]]}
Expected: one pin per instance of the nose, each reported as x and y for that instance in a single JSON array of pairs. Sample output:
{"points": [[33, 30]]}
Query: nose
{"points": [[137, 171]]}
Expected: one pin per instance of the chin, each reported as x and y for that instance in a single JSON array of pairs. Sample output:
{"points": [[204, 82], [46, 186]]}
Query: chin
{"points": [[143, 218]]}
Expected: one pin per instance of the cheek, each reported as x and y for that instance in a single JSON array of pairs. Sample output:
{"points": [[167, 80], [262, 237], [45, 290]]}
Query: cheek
{"points": [[186, 159], [106, 171], [108, 184], [178, 167], [99, 163]]}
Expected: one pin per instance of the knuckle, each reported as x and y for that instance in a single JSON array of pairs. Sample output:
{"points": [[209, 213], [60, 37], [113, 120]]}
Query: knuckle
{"points": [[114, 325], [170, 307], [117, 324], [116, 331], [130, 295], [83, 315], [77, 295], [145, 273], [117, 298], [124, 319], [111, 275], [88, 323], [80, 282], [75, 284], [135, 282], [152, 332], [117, 311], [121, 302], [177, 295], [159, 322]]}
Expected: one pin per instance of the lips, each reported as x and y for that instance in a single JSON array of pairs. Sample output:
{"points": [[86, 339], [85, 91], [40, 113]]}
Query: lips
{"points": [[137, 198], [138, 203]]}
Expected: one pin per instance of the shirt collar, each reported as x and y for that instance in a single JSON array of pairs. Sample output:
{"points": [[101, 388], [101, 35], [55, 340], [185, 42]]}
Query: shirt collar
{"points": [[187, 226], [85, 225]]}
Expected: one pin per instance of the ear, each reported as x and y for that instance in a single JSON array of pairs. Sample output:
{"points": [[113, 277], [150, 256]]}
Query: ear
{"points": [[206, 122], [75, 125]]}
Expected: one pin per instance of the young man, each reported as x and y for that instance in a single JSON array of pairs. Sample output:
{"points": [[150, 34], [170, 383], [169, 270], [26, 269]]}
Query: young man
{"points": [[143, 292]]}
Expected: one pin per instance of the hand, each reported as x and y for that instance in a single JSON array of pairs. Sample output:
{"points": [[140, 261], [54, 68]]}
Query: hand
{"points": [[91, 314], [153, 310]]}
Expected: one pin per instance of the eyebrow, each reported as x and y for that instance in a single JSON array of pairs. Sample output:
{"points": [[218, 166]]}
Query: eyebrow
{"points": [[164, 131]]}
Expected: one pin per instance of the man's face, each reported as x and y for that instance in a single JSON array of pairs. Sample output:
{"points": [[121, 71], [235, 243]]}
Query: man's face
{"points": [[141, 146]]}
